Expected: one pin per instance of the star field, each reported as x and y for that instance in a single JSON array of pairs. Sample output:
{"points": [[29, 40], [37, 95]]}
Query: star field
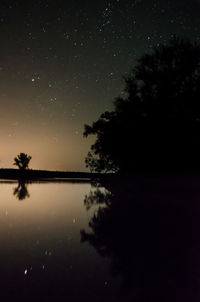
{"points": [[61, 66]]}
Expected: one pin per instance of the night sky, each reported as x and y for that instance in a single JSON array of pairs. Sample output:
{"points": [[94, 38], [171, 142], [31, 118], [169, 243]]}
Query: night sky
{"points": [[61, 66]]}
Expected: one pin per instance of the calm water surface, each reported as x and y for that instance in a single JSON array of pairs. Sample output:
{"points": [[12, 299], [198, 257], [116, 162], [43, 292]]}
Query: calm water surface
{"points": [[41, 254], [135, 241]]}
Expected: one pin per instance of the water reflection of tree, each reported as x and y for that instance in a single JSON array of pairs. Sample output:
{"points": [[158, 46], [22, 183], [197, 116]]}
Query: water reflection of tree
{"points": [[21, 191], [151, 235]]}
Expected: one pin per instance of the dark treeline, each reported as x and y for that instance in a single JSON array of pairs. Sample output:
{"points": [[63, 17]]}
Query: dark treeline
{"points": [[156, 125], [41, 174], [22, 161]]}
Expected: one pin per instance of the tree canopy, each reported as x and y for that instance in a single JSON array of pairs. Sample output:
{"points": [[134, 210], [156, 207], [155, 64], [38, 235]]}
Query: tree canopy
{"points": [[22, 161], [157, 123]]}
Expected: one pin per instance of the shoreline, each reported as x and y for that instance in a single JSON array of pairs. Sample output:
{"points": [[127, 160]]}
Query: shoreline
{"points": [[45, 175]]}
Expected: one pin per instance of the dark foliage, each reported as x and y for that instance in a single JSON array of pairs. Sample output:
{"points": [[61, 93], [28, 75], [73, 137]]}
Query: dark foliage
{"points": [[157, 124], [22, 161]]}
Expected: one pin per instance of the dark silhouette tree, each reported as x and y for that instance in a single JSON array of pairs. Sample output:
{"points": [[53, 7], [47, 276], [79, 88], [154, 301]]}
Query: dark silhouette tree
{"points": [[157, 123], [22, 161]]}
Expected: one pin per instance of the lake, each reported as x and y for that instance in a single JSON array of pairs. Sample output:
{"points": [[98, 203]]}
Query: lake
{"points": [[41, 253], [68, 241]]}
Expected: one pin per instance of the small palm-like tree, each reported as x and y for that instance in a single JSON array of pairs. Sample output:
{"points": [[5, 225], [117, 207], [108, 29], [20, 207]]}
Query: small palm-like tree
{"points": [[22, 161]]}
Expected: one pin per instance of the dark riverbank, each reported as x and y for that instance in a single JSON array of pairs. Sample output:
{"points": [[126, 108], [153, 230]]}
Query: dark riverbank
{"points": [[43, 174], [15, 174]]}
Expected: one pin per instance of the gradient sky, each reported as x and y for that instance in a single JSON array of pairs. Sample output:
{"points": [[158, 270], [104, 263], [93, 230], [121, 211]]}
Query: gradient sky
{"points": [[61, 66]]}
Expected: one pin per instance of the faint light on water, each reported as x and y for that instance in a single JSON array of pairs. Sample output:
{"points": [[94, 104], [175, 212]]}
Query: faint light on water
{"points": [[48, 253], [26, 270]]}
